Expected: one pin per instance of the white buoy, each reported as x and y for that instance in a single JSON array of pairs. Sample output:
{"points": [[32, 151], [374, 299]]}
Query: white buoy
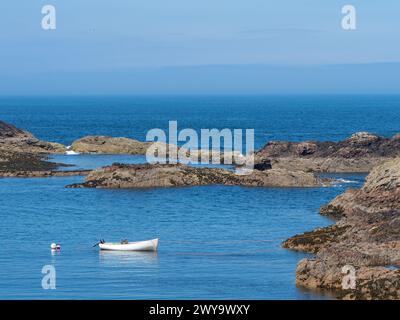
{"points": [[53, 246]]}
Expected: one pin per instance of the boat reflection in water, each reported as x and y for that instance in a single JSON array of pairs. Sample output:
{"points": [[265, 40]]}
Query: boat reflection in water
{"points": [[128, 257]]}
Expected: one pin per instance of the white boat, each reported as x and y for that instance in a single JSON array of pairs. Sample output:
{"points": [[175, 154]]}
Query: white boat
{"points": [[148, 245]]}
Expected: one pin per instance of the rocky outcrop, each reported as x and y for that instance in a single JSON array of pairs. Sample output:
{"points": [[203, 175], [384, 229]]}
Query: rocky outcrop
{"points": [[42, 173], [380, 193], [11, 161], [17, 140], [110, 145], [169, 175], [372, 283], [21, 154], [359, 153], [315, 240], [21, 164], [366, 237]]}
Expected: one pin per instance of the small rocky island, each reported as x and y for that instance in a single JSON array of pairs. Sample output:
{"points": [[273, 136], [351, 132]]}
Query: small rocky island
{"points": [[359, 153], [366, 236], [175, 175]]}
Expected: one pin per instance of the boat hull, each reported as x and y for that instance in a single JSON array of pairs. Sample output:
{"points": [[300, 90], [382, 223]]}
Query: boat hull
{"points": [[148, 245]]}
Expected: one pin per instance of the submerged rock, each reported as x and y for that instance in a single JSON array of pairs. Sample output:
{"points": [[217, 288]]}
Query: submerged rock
{"points": [[366, 237], [169, 175]]}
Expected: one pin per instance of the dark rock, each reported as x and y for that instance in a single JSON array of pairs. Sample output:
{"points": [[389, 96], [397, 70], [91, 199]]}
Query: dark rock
{"points": [[263, 165], [306, 148]]}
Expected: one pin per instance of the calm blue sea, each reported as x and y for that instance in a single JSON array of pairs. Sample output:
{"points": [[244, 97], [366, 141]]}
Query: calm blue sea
{"points": [[216, 242]]}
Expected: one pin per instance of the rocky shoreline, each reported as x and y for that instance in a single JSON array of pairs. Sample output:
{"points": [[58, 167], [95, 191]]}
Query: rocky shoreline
{"points": [[366, 237]]}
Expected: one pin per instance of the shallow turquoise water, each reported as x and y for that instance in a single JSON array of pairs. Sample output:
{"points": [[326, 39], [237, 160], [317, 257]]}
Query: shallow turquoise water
{"points": [[215, 242]]}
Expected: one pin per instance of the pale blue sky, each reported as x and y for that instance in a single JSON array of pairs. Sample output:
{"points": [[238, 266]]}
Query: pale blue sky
{"points": [[132, 46]]}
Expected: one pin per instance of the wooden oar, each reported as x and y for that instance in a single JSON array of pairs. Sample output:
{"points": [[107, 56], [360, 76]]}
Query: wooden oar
{"points": [[101, 241]]}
